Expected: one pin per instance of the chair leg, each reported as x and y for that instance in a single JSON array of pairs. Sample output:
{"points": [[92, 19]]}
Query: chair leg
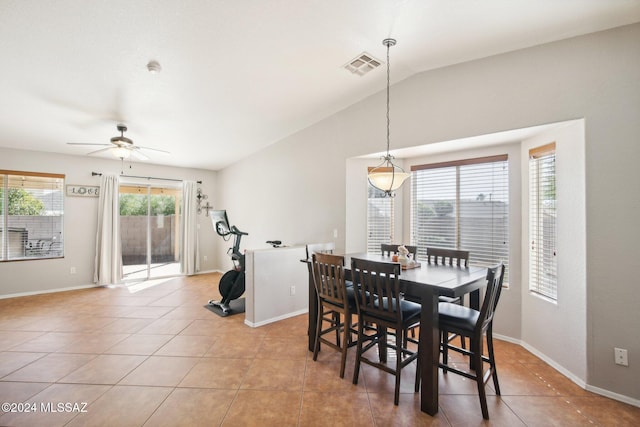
{"points": [[418, 377], [336, 323], [396, 396], [356, 369], [444, 338], [462, 339], [345, 344], [316, 343], [477, 356], [492, 361]]}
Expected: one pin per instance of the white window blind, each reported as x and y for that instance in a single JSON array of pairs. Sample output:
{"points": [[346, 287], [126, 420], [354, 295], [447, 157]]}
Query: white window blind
{"points": [[463, 205], [542, 221], [31, 215], [380, 219]]}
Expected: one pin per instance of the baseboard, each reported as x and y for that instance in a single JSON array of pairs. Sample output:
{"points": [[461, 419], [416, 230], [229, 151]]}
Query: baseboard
{"points": [[572, 377], [614, 396], [275, 319], [48, 291], [209, 271]]}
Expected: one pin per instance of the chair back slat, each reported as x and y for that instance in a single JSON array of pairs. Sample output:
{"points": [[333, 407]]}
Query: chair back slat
{"points": [[495, 276], [445, 256], [329, 278], [377, 286]]}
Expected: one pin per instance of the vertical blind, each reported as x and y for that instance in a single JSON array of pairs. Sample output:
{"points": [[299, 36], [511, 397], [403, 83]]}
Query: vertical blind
{"points": [[380, 219], [542, 221], [463, 205], [31, 215]]}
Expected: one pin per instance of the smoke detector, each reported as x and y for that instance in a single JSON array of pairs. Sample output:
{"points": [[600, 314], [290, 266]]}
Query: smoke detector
{"points": [[362, 64], [154, 67]]}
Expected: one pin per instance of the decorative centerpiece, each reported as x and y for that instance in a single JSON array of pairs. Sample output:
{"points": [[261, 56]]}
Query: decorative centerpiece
{"points": [[403, 255]]}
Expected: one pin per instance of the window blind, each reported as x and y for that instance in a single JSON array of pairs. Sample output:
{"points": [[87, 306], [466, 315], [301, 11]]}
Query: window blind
{"points": [[380, 219], [31, 215], [463, 205], [542, 221]]}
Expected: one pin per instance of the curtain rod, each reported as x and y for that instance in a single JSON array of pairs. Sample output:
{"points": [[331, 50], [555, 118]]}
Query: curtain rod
{"points": [[145, 177]]}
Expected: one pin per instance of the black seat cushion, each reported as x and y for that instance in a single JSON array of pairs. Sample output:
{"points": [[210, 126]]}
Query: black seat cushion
{"points": [[409, 309], [457, 316]]}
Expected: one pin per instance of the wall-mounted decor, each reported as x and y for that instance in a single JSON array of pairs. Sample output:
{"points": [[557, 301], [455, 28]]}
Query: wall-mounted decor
{"points": [[83, 190]]}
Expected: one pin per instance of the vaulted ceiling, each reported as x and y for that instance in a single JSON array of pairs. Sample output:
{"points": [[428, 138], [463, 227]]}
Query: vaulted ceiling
{"points": [[239, 75]]}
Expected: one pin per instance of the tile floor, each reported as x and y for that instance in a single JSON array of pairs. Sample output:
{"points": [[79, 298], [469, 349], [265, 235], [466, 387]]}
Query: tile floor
{"points": [[143, 355]]}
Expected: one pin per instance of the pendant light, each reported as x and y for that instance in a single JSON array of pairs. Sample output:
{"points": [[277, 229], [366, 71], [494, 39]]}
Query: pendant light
{"points": [[387, 176]]}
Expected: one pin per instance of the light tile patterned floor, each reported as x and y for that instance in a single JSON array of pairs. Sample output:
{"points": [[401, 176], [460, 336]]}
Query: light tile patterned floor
{"points": [[157, 357]]}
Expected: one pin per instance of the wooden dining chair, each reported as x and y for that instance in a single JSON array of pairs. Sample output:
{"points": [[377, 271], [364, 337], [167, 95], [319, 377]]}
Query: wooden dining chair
{"points": [[475, 325], [380, 306], [336, 305], [390, 249], [323, 248], [444, 256]]}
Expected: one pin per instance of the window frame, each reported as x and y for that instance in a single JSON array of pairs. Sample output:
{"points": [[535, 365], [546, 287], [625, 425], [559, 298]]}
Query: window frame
{"points": [[543, 272], [377, 227], [47, 241], [453, 182]]}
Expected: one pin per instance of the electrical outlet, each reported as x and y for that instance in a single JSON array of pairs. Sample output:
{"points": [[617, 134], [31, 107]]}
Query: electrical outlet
{"points": [[335, 233], [72, 270], [292, 291], [205, 258], [621, 356]]}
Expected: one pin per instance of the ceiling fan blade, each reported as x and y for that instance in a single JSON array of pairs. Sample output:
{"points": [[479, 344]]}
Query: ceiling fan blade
{"points": [[153, 149], [87, 143], [138, 154], [99, 151]]}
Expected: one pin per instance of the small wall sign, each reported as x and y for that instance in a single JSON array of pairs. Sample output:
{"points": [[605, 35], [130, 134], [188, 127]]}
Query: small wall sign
{"points": [[83, 190]]}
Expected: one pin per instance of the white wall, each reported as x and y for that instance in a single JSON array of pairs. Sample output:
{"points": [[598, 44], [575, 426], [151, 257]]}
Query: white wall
{"points": [[276, 284], [295, 190], [80, 219], [558, 329]]}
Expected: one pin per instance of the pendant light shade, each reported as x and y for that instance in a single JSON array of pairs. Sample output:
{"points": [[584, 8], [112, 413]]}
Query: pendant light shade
{"points": [[387, 176]]}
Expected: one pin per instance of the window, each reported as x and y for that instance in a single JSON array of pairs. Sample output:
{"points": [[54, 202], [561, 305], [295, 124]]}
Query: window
{"points": [[380, 219], [31, 215], [542, 221], [463, 205]]}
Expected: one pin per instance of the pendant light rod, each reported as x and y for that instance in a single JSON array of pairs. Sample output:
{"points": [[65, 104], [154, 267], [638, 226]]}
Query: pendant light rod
{"points": [[388, 43], [387, 176]]}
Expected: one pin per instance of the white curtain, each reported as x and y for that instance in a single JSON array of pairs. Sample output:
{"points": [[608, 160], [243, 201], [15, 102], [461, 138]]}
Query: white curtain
{"points": [[190, 260], [108, 262]]}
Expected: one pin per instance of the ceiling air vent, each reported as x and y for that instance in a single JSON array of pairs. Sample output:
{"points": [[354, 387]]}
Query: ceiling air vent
{"points": [[362, 64]]}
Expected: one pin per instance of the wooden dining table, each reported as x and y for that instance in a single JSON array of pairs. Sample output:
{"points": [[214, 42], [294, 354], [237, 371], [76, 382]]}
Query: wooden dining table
{"points": [[427, 283]]}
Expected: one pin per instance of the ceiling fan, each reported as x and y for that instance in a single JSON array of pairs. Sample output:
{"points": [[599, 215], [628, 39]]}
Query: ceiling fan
{"points": [[121, 146]]}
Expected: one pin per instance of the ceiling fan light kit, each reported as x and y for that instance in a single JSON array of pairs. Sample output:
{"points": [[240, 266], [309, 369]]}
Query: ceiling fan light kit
{"points": [[387, 176]]}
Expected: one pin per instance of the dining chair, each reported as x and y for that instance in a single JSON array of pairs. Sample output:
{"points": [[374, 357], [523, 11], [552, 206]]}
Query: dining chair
{"points": [[380, 307], [334, 300], [390, 249], [323, 248], [475, 325], [446, 256]]}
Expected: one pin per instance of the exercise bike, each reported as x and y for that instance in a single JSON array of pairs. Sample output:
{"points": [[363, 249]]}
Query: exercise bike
{"points": [[232, 283]]}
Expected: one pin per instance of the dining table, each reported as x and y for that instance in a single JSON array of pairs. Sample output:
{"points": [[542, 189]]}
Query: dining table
{"points": [[425, 283]]}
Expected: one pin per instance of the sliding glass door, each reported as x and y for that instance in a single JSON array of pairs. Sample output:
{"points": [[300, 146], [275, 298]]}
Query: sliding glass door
{"points": [[150, 230]]}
